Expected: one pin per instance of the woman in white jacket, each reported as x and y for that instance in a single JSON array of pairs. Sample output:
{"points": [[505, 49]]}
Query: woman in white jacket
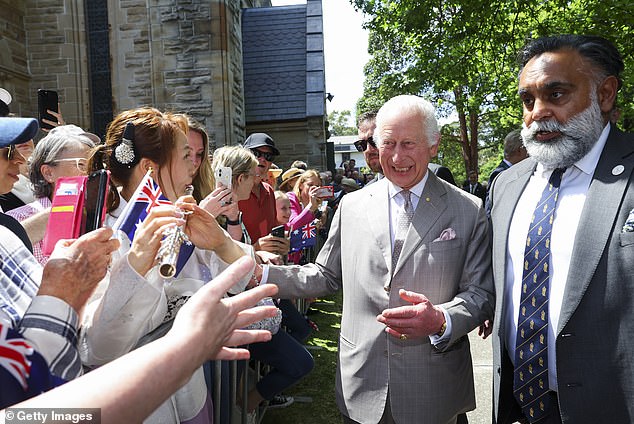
{"points": [[132, 311]]}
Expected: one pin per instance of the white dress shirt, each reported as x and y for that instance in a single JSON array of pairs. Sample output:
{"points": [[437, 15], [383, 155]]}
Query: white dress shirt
{"points": [[572, 196]]}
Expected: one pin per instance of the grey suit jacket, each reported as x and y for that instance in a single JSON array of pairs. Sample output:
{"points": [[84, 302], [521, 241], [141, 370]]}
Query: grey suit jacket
{"points": [[595, 338], [426, 384]]}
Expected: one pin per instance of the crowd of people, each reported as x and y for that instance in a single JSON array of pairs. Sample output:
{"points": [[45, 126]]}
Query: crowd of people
{"points": [[538, 260]]}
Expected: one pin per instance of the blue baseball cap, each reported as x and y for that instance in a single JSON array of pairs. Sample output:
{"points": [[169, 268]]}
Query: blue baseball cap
{"points": [[17, 130]]}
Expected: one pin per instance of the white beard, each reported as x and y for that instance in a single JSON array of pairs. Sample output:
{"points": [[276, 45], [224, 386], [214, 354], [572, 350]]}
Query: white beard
{"points": [[577, 138]]}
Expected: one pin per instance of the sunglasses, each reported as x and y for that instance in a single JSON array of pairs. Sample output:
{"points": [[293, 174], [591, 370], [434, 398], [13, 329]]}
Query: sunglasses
{"points": [[266, 155], [362, 144], [12, 151]]}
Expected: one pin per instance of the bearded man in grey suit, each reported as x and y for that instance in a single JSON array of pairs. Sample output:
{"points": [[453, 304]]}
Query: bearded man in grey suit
{"points": [[580, 369], [403, 351]]}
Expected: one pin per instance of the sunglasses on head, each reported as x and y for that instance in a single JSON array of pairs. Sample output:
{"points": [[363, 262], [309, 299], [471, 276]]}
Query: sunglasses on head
{"points": [[266, 155], [362, 144]]}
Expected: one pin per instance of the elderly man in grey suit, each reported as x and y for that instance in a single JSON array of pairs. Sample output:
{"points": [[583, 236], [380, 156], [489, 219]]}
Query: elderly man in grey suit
{"points": [[563, 244], [411, 253]]}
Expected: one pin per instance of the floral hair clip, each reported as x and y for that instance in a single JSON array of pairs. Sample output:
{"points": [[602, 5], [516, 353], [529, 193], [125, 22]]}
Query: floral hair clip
{"points": [[124, 152]]}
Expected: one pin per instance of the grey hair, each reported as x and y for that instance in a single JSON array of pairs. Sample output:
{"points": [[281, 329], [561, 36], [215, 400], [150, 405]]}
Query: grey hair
{"points": [[50, 148], [407, 104]]}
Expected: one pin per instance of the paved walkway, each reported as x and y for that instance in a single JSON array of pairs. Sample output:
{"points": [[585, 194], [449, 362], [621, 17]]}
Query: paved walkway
{"points": [[482, 354]]}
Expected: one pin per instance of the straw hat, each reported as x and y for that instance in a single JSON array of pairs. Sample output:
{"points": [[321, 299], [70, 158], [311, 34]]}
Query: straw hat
{"points": [[289, 176]]}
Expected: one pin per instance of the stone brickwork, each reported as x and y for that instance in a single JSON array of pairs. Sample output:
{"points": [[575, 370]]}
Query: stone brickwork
{"points": [[179, 55], [45, 44]]}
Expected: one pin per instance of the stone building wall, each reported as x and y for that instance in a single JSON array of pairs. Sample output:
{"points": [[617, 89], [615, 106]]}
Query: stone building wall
{"points": [[179, 55], [42, 45]]}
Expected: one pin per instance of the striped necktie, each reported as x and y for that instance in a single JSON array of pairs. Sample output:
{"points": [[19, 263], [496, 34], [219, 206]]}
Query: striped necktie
{"points": [[403, 222], [530, 384]]}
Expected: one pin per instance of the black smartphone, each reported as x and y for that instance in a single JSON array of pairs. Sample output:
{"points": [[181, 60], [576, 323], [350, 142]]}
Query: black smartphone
{"points": [[47, 100], [95, 201], [278, 231]]}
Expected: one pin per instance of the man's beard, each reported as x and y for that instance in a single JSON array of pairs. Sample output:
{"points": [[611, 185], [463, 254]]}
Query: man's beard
{"points": [[577, 138]]}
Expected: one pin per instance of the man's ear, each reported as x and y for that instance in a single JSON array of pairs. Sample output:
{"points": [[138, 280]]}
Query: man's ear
{"points": [[606, 93]]}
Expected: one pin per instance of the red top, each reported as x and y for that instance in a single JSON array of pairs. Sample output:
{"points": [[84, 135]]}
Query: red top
{"points": [[258, 214]]}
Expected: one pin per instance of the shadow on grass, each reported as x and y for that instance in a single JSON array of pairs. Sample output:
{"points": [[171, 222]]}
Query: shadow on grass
{"points": [[315, 394]]}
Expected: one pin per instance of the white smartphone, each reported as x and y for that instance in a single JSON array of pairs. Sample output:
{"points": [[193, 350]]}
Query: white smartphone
{"points": [[223, 177]]}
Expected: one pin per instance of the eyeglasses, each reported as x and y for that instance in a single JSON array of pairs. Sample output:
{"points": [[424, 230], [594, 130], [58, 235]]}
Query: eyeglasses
{"points": [[268, 156], [362, 144], [80, 163]]}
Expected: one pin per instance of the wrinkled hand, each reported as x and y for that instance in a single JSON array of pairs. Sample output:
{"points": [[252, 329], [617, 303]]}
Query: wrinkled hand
{"points": [[485, 329], [58, 115], [214, 322], [270, 243], [147, 238], [77, 266], [213, 202], [269, 258], [420, 319]]}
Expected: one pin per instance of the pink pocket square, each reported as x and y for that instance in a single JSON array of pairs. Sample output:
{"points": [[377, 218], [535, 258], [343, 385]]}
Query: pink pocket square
{"points": [[448, 234]]}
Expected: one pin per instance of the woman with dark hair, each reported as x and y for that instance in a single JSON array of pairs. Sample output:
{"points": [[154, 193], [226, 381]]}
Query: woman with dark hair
{"points": [[128, 315]]}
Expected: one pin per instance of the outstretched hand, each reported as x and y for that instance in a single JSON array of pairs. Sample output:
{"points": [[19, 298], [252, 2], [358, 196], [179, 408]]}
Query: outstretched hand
{"points": [[418, 319], [214, 322]]}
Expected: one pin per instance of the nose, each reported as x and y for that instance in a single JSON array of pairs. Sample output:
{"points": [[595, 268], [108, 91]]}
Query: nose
{"points": [[541, 110]]}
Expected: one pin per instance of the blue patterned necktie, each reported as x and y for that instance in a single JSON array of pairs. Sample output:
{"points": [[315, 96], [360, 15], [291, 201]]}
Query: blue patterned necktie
{"points": [[530, 384]]}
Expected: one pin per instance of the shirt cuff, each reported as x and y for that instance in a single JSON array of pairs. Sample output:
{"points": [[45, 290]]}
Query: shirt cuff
{"points": [[435, 338], [265, 274]]}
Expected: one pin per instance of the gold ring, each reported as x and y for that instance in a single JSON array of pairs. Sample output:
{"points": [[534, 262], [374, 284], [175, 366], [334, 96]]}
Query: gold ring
{"points": [[403, 337]]}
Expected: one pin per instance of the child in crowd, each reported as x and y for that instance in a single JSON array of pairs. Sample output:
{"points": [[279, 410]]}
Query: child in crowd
{"points": [[282, 207]]}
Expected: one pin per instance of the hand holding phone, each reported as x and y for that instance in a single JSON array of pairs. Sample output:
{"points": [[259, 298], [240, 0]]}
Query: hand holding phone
{"points": [[278, 231], [47, 100]]}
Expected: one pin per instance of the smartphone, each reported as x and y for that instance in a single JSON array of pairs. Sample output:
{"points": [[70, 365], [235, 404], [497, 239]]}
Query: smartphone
{"points": [[325, 192], [96, 199], [223, 179], [47, 100], [278, 231]]}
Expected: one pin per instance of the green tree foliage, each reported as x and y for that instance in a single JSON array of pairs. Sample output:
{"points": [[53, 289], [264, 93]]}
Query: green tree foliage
{"points": [[340, 123], [462, 56]]}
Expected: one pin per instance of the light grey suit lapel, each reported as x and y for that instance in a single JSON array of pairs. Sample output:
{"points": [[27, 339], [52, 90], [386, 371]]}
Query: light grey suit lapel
{"points": [[597, 219], [378, 217], [431, 205]]}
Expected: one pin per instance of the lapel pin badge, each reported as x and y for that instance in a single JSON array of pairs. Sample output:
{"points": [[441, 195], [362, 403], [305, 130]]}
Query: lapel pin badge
{"points": [[618, 170]]}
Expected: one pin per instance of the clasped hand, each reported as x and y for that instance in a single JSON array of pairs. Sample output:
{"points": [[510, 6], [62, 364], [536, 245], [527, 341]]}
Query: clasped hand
{"points": [[418, 319]]}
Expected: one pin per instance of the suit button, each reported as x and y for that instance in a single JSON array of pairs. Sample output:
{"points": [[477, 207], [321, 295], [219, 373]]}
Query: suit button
{"points": [[499, 371]]}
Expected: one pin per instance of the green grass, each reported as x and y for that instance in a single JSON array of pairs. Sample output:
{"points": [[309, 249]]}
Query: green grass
{"points": [[320, 383]]}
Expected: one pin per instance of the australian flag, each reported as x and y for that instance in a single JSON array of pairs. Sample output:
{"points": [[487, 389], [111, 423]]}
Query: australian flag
{"points": [[147, 195], [24, 373], [303, 237]]}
